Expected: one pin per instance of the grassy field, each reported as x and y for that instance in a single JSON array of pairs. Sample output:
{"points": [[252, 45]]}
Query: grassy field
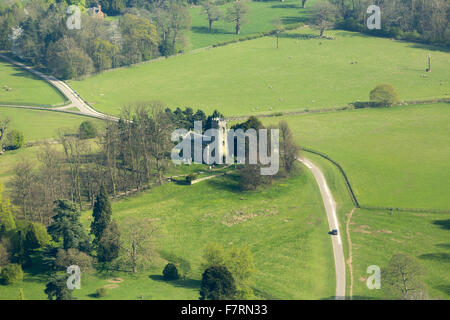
{"points": [[18, 86], [377, 235], [393, 157], [285, 227], [37, 126], [254, 77], [260, 19]]}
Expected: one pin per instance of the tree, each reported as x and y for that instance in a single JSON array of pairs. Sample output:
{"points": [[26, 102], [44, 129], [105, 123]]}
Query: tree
{"points": [[139, 38], [12, 273], [66, 225], [212, 12], [15, 139], [67, 60], [4, 256], [87, 130], [238, 260], [65, 258], [303, 3], [109, 245], [101, 214], [36, 236], [57, 289], [3, 128], [289, 151], [384, 95], [402, 278], [217, 284], [7, 222], [136, 246], [323, 16], [237, 14], [170, 272]]}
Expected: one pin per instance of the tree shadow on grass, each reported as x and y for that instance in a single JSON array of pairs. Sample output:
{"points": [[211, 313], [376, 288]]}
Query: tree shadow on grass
{"points": [[300, 36], [286, 6], [445, 288], [440, 257], [443, 245], [229, 183], [205, 30], [297, 19], [182, 283], [444, 224]]}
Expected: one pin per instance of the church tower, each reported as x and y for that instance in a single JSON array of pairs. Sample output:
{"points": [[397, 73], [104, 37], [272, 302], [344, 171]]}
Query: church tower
{"points": [[221, 126]]}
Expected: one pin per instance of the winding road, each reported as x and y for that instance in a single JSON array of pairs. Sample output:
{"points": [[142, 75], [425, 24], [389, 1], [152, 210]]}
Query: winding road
{"points": [[330, 207], [75, 99]]}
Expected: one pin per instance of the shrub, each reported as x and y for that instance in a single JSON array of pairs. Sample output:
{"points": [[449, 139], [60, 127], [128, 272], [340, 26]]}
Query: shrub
{"points": [[385, 94], [87, 130], [191, 177], [12, 273], [101, 292], [170, 272], [217, 284], [15, 140]]}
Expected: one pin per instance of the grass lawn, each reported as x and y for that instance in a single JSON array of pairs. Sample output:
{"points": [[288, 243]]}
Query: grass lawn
{"points": [[394, 157], [18, 86], [285, 227], [254, 77], [260, 19], [377, 235]]}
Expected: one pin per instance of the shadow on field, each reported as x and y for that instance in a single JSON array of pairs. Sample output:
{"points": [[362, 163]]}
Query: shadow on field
{"points": [[429, 47], [229, 183], [183, 283], [441, 257], [443, 245], [444, 224], [299, 36], [286, 6], [291, 20], [205, 30]]}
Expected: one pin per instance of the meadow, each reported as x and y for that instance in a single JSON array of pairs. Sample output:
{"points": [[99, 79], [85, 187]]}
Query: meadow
{"points": [[394, 157], [261, 17], [377, 235], [19, 87], [253, 77], [284, 226], [37, 126]]}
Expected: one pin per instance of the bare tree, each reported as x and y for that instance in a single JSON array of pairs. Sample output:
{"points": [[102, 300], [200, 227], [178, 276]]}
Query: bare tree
{"points": [[212, 12], [402, 278], [324, 15], [137, 249], [289, 151], [237, 13]]}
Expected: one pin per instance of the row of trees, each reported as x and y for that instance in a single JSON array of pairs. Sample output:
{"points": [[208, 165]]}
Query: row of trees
{"points": [[236, 13], [426, 20]]}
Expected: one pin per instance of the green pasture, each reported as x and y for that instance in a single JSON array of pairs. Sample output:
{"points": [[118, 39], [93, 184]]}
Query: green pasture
{"points": [[284, 226], [395, 157], [19, 87], [253, 77]]}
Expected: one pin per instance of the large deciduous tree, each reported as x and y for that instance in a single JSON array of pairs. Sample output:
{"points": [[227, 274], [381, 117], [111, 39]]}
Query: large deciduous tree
{"points": [[323, 16], [237, 13]]}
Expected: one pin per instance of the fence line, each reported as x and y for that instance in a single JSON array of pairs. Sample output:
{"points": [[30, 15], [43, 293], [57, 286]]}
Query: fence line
{"points": [[353, 196]]}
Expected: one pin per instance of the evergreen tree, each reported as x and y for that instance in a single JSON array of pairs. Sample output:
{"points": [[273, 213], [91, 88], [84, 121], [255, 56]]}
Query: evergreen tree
{"points": [[66, 225], [109, 244], [101, 214], [57, 288]]}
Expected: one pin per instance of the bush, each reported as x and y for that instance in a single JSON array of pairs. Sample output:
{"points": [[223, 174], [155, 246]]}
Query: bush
{"points": [[217, 284], [385, 94], [101, 292], [87, 130], [170, 272], [12, 273], [191, 177], [15, 140], [74, 257]]}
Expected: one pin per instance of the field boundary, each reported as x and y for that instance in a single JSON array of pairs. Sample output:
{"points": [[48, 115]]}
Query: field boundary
{"points": [[354, 198]]}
